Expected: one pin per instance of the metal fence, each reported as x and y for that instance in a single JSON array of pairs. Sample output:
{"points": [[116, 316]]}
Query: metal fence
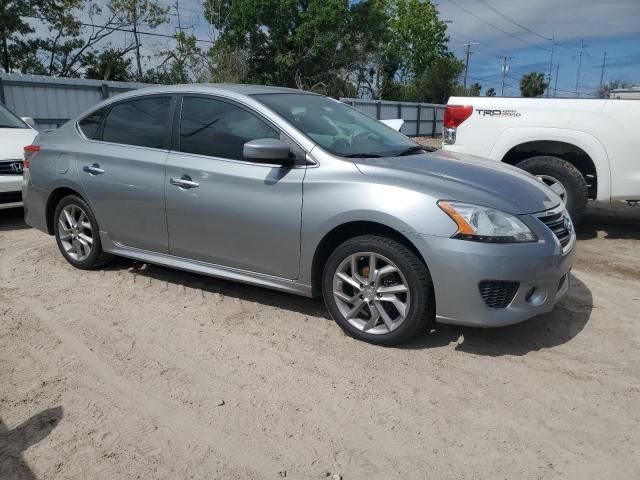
{"points": [[420, 119], [51, 101]]}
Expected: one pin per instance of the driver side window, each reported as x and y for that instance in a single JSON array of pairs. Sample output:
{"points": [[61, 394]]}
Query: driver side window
{"points": [[219, 129]]}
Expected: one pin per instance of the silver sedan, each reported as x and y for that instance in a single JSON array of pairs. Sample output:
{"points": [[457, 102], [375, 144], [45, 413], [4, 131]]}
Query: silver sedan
{"points": [[298, 192]]}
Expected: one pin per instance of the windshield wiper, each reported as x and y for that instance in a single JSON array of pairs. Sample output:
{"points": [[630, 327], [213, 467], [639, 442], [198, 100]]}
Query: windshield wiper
{"points": [[412, 150], [8, 126], [363, 155]]}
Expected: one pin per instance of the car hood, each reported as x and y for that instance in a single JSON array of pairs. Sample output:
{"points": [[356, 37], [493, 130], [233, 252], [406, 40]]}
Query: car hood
{"points": [[465, 178], [13, 141]]}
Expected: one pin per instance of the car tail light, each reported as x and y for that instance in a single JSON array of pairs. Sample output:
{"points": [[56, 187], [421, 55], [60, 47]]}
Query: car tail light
{"points": [[454, 115], [29, 152]]}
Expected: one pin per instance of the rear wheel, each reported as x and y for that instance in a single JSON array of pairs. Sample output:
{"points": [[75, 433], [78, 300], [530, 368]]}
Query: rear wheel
{"points": [[378, 290], [564, 179], [76, 231]]}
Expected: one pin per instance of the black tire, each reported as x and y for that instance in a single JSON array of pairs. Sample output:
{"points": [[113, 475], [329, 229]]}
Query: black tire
{"points": [[421, 314], [96, 257], [565, 173]]}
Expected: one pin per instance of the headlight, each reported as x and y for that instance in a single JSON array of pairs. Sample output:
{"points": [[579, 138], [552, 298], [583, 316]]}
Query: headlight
{"points": [[484, 224]]}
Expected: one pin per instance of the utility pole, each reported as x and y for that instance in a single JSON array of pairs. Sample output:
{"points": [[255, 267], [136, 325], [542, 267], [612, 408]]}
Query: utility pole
{"points": [[467, 52], [555, 83], [553, 43], [505, 69], [604, 60], [579, 67]]}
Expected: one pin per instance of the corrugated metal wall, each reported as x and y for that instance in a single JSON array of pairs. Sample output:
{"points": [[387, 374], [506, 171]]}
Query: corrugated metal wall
{"points": [[418, 117], [51, 101]]}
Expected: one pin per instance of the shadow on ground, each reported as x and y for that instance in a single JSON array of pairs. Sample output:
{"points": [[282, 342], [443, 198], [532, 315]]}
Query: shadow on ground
{"points": [[285, 301], [12, 219], [617, 221], [546, 331], [14, 442]]}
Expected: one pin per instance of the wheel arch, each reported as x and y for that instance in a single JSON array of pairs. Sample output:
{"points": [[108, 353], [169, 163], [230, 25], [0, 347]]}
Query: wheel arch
{"points": [[582, 150], [52, 201], [342, 233]]}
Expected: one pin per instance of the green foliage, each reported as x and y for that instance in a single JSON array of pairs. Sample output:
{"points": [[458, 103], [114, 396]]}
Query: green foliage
{"points": [[491, 92], [533, 84], [109, 64], [13, 27], [378, 48], [137, 14], [391, 49], [475, 89]]}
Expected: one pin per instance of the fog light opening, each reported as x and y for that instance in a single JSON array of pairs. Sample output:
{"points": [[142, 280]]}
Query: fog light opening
{"points": [[535, 296]]}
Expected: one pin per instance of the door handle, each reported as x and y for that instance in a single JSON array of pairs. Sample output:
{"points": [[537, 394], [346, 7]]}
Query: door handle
{"points": [[93, 169], [184, 182]]}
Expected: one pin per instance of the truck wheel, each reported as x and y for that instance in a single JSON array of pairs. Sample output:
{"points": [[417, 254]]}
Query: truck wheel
{"points": [[564, 179]]}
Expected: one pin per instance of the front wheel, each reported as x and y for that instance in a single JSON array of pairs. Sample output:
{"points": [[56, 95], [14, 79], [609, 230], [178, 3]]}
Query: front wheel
{"points": [[564, 179], [379, 291]]}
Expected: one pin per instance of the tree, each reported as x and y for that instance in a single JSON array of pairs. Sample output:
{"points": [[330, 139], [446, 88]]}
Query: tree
{"points": [[434, 85], [475, 89], [109, 64], [491, 92], [13, 25], [604, 90], [533, 84], [137, 14]]}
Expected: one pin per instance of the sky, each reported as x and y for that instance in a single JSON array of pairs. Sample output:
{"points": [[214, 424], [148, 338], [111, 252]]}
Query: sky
{"points": [[523, 29]]}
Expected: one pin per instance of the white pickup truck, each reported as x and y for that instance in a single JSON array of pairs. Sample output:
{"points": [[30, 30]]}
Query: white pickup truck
{"points": [[582, 149]]}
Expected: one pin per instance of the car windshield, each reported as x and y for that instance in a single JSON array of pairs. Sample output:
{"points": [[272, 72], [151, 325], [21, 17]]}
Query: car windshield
{"points": [[338, 128], [9, 120]]}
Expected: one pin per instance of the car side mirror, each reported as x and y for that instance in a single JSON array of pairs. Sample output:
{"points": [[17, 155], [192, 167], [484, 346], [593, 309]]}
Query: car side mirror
{"points": [[268, 150], [30, 121]]}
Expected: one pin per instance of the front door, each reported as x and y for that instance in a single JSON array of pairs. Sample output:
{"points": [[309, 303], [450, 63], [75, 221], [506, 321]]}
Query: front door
{"points": [[123, 171], [222, 209]]}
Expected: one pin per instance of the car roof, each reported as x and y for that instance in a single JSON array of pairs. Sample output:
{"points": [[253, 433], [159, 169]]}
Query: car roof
{"points": [[219, 88]]}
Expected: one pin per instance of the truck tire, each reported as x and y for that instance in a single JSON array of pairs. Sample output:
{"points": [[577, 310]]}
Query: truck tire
{"points": [[563, 178]]}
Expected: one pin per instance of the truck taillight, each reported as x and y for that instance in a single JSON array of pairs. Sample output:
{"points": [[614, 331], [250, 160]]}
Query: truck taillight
{"points": [[454, 115], [29, 153]]}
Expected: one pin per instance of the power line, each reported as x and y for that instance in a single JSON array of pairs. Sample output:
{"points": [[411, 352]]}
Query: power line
{"points": [[495, 10], [126, 30], [497, 28]]}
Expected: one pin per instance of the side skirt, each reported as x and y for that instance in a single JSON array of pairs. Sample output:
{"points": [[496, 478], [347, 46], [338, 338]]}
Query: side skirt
{"points": [[195, 266]]}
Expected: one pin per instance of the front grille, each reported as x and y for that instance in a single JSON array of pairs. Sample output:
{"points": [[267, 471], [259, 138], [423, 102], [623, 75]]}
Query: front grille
{"points": [[560, 224], [10, 197], [10, 167], [498, 294]]}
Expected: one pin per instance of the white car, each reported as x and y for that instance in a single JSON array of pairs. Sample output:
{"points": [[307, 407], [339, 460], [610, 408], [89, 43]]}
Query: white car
{"points": [[583, 149], [15, 133]]}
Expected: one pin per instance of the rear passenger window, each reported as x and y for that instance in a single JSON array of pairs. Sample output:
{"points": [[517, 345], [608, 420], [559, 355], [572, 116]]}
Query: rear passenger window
{"points": [[90, 124], [139, 122], [219, 129]]}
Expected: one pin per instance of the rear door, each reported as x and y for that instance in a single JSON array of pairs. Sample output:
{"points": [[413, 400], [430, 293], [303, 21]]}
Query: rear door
{"points": [[237, 213], [122, 169]]}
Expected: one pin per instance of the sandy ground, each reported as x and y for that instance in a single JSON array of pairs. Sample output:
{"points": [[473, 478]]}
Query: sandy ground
{"points": [[143, 372]]}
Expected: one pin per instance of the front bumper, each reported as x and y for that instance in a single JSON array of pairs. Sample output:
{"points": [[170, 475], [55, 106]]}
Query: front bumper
{"points": [[10, 191], [458, 266]]}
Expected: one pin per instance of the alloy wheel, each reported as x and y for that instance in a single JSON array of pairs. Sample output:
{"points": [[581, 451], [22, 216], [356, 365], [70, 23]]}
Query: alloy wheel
{"points": [[554, 185], [75, 232], [371, 292]]}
